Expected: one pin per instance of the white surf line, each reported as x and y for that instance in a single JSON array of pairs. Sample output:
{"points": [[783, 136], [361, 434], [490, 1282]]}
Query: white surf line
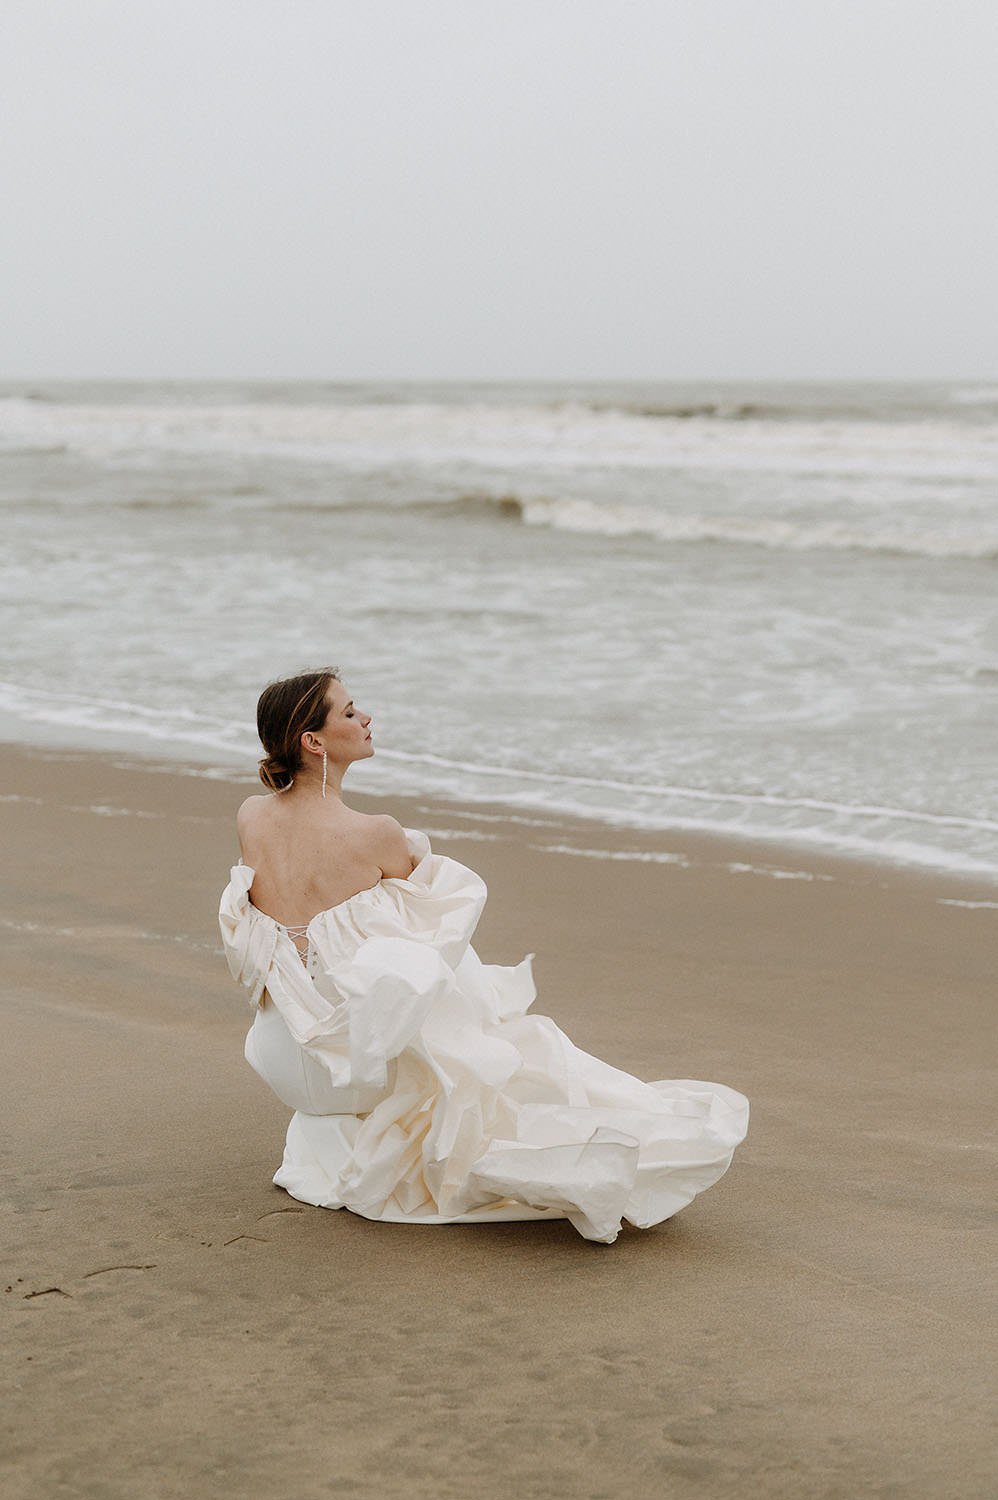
{"points": [[105, 810], [651, 856], [484, 817], [971, 905], [661, 858], [462, 833], [116, 935], [697, 794], [13, 925]]}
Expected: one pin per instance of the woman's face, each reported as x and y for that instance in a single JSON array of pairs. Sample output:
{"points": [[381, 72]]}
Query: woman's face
{"points": [[346, 734]]}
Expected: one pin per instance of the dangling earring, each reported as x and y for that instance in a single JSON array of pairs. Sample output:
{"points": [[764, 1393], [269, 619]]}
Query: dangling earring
{"points": [[324, 760]]}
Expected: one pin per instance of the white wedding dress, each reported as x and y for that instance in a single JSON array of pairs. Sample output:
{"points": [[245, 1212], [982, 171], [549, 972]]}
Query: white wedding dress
{"points": [[423, 1091]]}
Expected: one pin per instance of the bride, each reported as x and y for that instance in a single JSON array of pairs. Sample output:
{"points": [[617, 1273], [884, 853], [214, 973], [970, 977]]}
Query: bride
{"points": [[423, 1090]]}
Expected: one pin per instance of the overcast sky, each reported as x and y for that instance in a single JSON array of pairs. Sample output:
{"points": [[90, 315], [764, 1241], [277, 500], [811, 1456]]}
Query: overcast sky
{"points": [[355, 189]]}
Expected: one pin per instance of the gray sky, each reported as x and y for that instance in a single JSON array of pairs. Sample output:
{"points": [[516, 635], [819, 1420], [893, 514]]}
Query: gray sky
{"points": [[354, 189]]}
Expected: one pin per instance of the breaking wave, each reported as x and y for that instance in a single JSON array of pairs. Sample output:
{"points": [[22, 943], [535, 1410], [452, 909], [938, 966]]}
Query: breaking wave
{"points": [[609, 520]]}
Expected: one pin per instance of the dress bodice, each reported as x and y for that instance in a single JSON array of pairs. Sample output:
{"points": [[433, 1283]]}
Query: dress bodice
{"points": [[439, 903], [376, 963]]}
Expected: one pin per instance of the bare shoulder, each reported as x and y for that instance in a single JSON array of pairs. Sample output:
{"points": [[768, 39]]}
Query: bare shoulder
{"points": [[249, 816], [248, 812], [389, 846]]}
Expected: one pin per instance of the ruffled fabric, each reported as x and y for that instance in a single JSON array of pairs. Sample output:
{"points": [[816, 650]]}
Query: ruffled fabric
{"points": [[431, 1095]]}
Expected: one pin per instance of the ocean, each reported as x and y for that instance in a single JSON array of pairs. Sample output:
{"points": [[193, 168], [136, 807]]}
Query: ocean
{"points": [[755, 609]]}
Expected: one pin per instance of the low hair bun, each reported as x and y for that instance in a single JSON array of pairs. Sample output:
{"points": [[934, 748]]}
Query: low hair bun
{"points": [[275, 774]]}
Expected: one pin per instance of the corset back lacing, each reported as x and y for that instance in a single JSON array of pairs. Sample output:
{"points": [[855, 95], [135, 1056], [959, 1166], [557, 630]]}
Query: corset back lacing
{"points": [[295, 933]]}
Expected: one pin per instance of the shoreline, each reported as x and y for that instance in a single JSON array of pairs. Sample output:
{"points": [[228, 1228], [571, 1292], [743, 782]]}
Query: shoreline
{"points": [[178, 1323], [773, 857]]}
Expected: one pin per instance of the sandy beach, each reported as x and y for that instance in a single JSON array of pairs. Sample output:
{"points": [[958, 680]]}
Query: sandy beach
{"points": [[813, 1326]]}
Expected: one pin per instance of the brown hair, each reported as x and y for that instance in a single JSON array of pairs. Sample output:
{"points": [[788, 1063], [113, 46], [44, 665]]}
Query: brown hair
{"points": [[284, 711]]}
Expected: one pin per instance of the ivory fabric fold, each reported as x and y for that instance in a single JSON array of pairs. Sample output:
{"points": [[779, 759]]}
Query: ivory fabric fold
{"points": [[423, 1091]]}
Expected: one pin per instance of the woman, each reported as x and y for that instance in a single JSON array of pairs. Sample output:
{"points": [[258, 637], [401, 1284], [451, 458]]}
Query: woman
{"points": [[423, 1091]]}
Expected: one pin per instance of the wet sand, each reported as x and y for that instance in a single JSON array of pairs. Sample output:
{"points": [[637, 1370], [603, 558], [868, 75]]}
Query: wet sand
{"points": [[816, 1325]]}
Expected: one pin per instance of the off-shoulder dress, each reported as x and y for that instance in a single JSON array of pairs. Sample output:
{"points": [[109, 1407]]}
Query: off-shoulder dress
{"points": [[423, 1089]]}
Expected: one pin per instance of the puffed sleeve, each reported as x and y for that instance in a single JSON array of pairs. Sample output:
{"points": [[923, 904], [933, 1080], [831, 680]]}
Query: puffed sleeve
{"points": [[249, 945]]}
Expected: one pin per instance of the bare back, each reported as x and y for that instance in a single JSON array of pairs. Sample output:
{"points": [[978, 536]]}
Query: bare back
{"points": [[306, 859]]}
